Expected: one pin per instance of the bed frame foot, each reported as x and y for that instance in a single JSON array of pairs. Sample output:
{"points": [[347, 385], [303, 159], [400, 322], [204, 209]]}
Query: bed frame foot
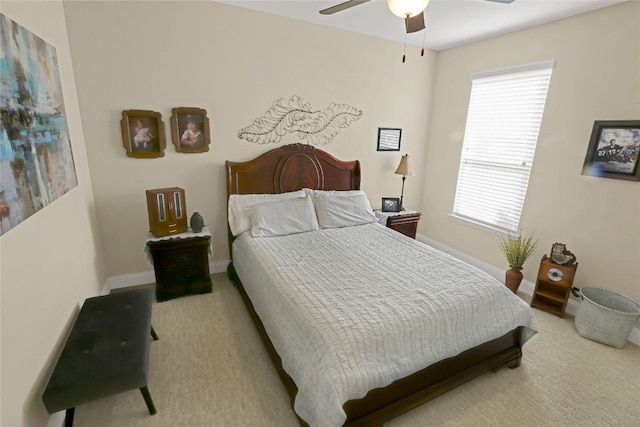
{"points": [[516, 363], [231, 274], [511, 363]]}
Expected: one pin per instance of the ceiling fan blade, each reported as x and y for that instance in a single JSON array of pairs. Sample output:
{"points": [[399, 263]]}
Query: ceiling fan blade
{"points": [[416, 23], [503, 1], [342, 6]]}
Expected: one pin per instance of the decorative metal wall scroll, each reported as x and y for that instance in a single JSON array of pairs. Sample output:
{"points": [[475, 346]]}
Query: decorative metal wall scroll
{"points": [[294, 116]]}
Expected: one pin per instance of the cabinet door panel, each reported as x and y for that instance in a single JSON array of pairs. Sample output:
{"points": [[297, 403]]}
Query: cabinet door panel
{"points": [[162, 207], [178, 205]]}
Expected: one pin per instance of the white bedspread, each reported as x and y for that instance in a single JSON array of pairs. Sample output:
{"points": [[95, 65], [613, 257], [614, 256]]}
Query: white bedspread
{"points": [[352, 309]]}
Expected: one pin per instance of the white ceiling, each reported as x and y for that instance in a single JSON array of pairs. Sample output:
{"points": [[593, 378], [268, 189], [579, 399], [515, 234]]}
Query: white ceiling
{"points": [[450, 23]]}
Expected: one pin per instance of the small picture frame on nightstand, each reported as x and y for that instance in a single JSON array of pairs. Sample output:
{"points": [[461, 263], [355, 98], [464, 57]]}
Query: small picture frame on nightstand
{"points": [[390, 204]]}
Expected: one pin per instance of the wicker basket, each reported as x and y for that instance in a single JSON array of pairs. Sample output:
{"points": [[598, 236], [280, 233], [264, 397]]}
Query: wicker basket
{"points": [[605, 316]]}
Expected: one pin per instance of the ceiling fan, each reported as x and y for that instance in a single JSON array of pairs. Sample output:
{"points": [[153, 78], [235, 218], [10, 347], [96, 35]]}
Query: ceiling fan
{"points": [[411, 10]]}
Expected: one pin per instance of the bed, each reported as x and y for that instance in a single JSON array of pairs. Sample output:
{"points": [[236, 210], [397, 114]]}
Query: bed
{"points": [[357, 319]]}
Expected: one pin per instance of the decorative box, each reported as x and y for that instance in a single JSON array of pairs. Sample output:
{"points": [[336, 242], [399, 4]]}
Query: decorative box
{"points": [[167, 211]]}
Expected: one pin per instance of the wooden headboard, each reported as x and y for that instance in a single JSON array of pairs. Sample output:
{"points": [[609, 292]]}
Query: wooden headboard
{"points": [[290, 168]]}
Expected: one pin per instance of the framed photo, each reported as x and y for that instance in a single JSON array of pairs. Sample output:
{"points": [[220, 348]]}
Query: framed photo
{"points": [[190, 130], [389, 139], [390, 204], [613, 150], [143, 133]]}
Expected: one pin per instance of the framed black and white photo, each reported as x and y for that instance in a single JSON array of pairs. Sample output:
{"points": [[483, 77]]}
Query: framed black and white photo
{"points": [[613, 150], [390, 204], [389, 139]]}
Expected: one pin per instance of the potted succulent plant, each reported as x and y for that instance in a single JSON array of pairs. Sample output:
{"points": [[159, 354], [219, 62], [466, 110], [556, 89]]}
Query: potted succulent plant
{"points": [[516, 249]]}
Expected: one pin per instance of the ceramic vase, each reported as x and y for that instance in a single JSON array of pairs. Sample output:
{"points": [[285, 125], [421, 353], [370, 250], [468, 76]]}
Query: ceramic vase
{"points": [[512, 279], [196, 222]]}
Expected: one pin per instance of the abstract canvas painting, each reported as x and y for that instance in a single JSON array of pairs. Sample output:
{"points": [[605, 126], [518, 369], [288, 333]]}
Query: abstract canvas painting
{"points": [[36, 162]]}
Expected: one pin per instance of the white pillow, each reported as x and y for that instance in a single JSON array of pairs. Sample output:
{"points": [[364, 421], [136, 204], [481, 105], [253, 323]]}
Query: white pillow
{"points": [[282, 217], [342, 209], [239, 220], [338, 193]]}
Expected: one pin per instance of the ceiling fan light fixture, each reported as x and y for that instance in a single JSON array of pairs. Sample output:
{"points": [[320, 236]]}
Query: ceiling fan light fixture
{"points": [[407, 8]]}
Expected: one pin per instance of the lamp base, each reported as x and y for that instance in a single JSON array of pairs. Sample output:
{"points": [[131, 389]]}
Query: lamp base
{"points": [[402, 194]]}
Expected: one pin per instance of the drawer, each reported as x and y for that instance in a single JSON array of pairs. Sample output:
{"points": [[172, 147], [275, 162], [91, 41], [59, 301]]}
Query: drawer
{"points": [[180, 259], [403, 219], [180, 278], [176, 283], [407, 228]]}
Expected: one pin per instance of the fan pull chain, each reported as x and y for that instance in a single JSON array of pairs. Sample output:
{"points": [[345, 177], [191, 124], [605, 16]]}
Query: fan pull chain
{"points": [[404, 49], [424, 35]]}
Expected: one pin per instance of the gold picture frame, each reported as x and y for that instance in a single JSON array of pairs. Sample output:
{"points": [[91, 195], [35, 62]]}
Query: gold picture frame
{"points": [[143, 134], [190, 130]]}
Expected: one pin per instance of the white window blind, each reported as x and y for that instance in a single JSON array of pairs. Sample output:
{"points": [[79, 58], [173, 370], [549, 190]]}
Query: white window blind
{"points": [[505, 111]]}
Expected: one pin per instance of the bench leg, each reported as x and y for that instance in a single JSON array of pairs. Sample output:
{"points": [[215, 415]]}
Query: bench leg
{"points": [[153, 334], [147, 399], [68, 418]]}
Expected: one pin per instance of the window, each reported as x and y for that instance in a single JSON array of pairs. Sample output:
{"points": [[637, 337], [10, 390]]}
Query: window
{"points": [[505, 111]]}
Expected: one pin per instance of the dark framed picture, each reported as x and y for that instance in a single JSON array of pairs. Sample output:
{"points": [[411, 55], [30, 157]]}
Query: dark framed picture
{"points": [[143, 133], [190, 130], [390, 204], [389, 139], [613, 150]]}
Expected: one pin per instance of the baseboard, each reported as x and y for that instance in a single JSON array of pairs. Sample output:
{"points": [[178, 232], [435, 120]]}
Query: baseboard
{"points": [[145, 277], [57, 419], [634, 336], [526, 287]]}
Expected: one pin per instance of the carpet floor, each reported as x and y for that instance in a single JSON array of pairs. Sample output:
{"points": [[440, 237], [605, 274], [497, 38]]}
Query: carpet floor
{"points": [[209, 369]]}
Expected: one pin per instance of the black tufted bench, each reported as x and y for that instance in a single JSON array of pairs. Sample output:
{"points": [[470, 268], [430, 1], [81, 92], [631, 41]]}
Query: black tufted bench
{"points": [[107, 352]]}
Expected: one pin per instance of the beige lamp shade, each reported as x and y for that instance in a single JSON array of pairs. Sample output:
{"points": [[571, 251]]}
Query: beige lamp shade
{"points": [[404, 168], [407, 8]]}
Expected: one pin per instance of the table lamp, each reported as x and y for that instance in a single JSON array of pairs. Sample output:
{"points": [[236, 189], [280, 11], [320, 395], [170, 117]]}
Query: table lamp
{"points": [[404, 169]]}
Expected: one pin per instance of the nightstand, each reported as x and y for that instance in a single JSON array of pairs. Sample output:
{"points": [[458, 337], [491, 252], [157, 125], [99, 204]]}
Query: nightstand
{"points": [[553, 285], [405, 222], [180, 263]]}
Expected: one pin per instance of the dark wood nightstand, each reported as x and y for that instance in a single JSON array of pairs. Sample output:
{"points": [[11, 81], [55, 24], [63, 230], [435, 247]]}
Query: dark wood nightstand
{"points": [[181, 265], [553, 285], [405, 222]]}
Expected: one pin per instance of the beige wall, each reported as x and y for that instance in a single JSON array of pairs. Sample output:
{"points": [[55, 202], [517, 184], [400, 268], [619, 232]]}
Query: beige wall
{"points": [[52, 261], [596, 77], [234, 63]]}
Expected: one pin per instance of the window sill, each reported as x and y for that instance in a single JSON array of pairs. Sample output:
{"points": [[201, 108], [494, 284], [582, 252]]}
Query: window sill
{"points": [[481, 225]]}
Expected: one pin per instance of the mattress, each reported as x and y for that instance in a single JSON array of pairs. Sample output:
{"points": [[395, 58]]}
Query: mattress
{"points": [[352, 309]]}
